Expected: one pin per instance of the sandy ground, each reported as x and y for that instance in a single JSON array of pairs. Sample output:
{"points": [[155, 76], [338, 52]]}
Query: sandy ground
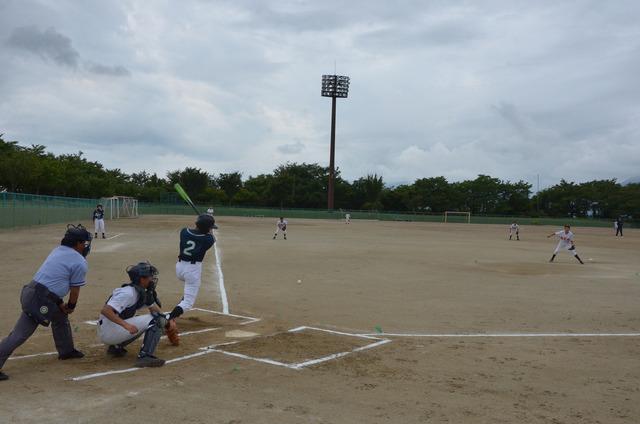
{"points": [[364, 278]]}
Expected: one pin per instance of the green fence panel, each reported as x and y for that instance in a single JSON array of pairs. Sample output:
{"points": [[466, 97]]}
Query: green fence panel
{"points": [[24, 210], [20, 210]]}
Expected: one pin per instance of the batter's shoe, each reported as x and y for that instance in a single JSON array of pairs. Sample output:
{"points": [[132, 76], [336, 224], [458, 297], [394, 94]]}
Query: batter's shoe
{"points": [[149, 361], [3, 376], [116, 351], [74, 354]]}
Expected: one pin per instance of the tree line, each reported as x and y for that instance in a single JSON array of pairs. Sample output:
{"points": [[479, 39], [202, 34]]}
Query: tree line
{"points": [[302, 185]]}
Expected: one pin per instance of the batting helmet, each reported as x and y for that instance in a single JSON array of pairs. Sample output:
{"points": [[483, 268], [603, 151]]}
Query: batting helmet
{"points": [[205, 223]]}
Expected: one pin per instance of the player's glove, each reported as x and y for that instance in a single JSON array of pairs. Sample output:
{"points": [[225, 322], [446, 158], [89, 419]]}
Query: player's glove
{"points": [[284, 228], [172, 332], [572, 247]]}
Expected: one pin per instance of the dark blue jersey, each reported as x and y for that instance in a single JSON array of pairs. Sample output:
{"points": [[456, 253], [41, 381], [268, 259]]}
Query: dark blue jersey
{"points": [[98, 214], [194, 244]]}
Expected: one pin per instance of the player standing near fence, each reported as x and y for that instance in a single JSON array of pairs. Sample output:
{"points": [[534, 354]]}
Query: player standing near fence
{"points": [[281, 225], [619, 225], [194, 244], [63, 272], [98, 220], [514, 228], [566, 242]]}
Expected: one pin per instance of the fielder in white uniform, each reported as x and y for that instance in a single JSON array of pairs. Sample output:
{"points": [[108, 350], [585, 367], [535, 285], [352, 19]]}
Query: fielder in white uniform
{"points": [[281, 226], [194, 244], [98, 220], [119, 325], [514, 229], [566, 242], [347, 218]]}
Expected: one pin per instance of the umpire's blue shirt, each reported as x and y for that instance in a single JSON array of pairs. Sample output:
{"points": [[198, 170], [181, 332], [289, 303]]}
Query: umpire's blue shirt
{"points": [[64, 268]]}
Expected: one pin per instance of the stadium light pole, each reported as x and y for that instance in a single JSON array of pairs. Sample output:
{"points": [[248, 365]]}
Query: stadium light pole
{"points": [[334, 86]]}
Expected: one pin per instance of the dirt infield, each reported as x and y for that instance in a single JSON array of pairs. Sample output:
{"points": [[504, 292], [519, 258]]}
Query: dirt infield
{"points": [[433, 289]]}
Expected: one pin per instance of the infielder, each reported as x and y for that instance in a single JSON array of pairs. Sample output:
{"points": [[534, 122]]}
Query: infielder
{"points": [[566, 242], [98, 220], [281, 225], [118, 324], [514, 228], [194, 243], [63, 272], [347, 218]]}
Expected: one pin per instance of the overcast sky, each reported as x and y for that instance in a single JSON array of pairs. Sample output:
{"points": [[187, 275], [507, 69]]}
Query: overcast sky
{"points": [[506, 88]]}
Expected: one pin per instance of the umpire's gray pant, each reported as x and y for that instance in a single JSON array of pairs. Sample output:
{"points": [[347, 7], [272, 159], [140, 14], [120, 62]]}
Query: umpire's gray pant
{"points": [[25, 327]]}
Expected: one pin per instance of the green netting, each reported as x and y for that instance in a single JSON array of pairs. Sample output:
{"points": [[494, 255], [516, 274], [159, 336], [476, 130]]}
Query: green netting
{"points": [[23, 210], [168, 209], [18, 210]]}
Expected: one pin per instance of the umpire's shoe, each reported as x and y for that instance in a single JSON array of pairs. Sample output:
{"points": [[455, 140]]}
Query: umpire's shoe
{"points": [[149, 361], [74, 354], [3, 376]]}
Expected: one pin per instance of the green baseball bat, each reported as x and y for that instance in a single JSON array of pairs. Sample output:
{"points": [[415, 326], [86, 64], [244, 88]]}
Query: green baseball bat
{"points": [[185, 197]]}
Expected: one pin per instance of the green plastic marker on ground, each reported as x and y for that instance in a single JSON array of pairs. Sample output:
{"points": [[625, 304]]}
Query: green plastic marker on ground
{"points": [[378, 329]]}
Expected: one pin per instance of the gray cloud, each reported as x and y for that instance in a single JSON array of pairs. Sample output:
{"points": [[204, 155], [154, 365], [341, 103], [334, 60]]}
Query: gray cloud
{"points": [[291, 149], [48, 44], [438, 88], [116, 71]]}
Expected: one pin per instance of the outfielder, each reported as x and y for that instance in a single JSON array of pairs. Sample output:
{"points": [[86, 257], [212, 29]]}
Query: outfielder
{"points": [[347, 218], [62, 272], [194, 243], [118, 324], [281, 225], [514, 228], [566, 242], [98, 220]]}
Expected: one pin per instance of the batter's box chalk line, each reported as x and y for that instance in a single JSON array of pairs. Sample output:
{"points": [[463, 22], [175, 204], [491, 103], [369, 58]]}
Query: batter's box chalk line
{"points": [[376, 341], [206, 350]]}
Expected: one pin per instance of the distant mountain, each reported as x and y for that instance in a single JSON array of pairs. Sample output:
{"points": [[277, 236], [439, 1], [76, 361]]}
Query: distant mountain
{"points": [[632, 180]]}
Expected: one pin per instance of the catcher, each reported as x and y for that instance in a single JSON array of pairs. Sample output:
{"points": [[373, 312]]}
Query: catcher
{"points": [[119, 325], [281, 225]]}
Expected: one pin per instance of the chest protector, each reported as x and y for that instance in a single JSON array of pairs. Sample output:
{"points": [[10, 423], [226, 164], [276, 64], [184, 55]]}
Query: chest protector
{"points": [[145, 298]]}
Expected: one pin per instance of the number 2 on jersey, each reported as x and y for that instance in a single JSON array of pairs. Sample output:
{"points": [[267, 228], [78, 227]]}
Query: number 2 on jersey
{"points": [[190, 246]]}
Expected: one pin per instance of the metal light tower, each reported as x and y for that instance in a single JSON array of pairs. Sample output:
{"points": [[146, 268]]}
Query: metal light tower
{"points": [[333, 86]]}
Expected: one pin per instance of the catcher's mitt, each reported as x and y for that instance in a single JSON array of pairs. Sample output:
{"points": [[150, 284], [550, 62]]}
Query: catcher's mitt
{"points": [[172, 332]]}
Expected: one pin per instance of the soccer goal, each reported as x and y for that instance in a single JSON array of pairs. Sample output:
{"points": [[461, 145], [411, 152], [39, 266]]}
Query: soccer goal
{"points": [[120, 207], [466, 216]]}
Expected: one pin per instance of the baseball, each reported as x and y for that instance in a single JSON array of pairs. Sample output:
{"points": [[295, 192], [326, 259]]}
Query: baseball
{"points": [[299, 281]]}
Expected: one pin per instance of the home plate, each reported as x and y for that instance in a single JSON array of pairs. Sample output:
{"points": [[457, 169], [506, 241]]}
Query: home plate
{"points": [[240, 334]]}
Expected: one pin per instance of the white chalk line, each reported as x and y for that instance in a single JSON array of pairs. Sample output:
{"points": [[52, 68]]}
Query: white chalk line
{"points": [[248, 320], [186, 333], [112, 237], [435, 335], [309, 362], [223, 291]]}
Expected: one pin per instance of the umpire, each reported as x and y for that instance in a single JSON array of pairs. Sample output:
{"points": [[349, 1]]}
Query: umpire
{"points": [[63, 272]]}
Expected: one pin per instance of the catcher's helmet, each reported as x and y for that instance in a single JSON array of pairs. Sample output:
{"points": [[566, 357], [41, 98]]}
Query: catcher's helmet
{"points": [[142, 269], [205, 223]]}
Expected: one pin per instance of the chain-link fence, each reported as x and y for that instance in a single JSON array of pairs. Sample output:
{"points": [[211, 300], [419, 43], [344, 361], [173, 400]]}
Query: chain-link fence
{"points": [[20, 210], [23, 210]]}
